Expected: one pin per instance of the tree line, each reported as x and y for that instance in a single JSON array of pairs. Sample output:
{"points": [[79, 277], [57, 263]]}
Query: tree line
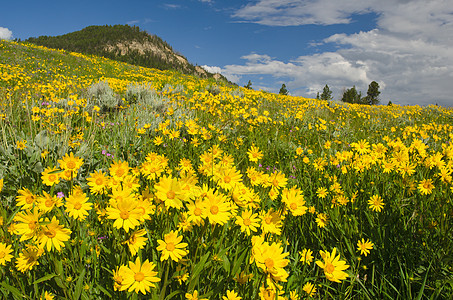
{"points": [[350, 95], [353, 96]]}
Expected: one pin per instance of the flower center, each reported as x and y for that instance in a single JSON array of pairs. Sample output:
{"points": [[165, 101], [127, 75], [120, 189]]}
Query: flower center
{"points": [[31, 259], [29, 199], [269, 262], [71, 165], [50, 233], [275, 182], [170, 246], [293, 206], [2, 254], [247, 222], [139, 276], [214, 209], [99, 181], [32, 225], [118, 279], [330, 268], [227, 179], [77, 205], [53, 177], [49, 202], [124, 215], [119, 172], [197, 211], [268, 220], [171, 195]]}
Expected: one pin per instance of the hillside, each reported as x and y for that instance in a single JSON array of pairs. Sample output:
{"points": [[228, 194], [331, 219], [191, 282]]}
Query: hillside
{"points": [[213, 189], [127, 44]]}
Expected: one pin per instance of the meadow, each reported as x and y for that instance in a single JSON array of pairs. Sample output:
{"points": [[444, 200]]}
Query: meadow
{"points": [[125, 182]]}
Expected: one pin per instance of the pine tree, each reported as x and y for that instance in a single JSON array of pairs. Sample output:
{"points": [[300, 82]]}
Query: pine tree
{"points": [[326, 93], [372, 95], [283, 90], [352, 96]]}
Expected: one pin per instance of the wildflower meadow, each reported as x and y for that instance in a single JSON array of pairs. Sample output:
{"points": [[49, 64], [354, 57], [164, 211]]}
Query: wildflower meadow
{"points": [[125, 182]]}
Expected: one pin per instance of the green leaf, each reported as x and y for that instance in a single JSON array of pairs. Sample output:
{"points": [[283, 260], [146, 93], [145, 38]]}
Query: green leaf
{"points": [[174, 294], [78, 287], [106, 250], [226, 263], [103, 290], [12, 215], [348, 245], [41, 139], [16, 293], [45, 278], [84, 296], [238, 262], [197, 270], [420, 293], [60, 273], [56, 172], [59, 282], [59, 267]]}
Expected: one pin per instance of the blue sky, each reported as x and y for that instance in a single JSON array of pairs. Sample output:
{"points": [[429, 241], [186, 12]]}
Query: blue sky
{"points": [[404, 45]]}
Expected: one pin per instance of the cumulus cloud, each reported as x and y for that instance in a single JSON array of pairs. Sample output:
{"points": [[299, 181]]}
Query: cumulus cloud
{"points": [[410, 52], [214, 69], [5, 34], [304, 74]]}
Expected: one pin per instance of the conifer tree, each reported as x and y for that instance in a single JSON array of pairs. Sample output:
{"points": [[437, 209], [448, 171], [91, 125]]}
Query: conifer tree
{"points": [[372, 97], [283, 90], [326, 93], [352, 96]]}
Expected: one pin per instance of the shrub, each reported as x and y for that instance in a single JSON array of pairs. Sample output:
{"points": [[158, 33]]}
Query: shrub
{"points": [[100, 94]]}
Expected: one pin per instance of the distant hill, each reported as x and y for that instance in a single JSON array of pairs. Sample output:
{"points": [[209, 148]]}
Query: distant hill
{"points": [[127, 44]]}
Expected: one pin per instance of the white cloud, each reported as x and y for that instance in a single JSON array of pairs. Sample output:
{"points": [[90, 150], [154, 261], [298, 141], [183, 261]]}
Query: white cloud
{"points": [[140, 21], [213, 69], [133, 22], [306, 75], [301, 12], [410, 53], [172, 6], [5, 34]]}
